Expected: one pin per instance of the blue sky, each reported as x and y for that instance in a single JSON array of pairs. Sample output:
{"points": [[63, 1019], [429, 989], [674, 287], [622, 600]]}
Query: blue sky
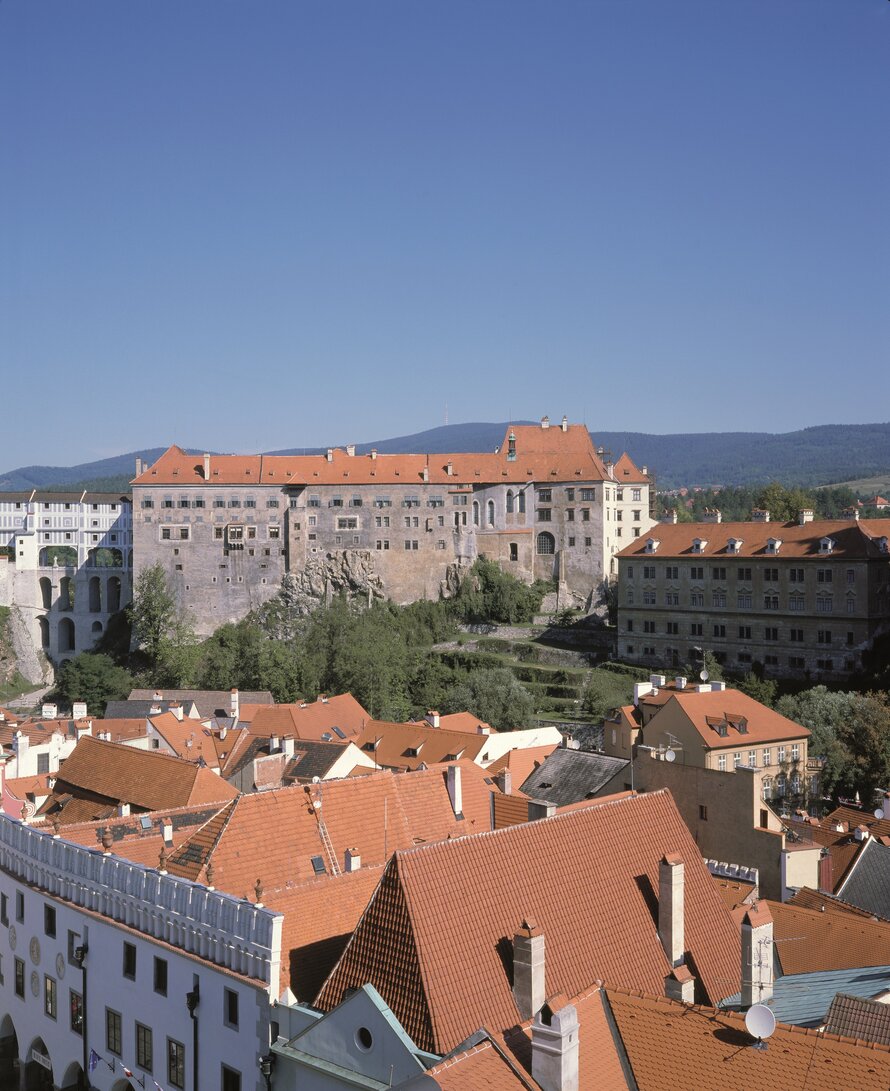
{"points": [[273, 223]]}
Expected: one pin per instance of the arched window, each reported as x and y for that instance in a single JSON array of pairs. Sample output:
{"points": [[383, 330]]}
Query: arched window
{"points": [[546, 544], [509, 501], [521, 502], [780, 784], [46, 592], [767, 787], [491, 513], [66, 635], [514, 551], [475, 513]]}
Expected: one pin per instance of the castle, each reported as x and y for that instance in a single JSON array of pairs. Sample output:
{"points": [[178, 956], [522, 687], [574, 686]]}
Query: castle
{"points": [[227, 529]]}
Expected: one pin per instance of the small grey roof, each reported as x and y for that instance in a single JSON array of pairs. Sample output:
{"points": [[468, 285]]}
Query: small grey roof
{"points": [[207, 701], [139, 710], [569, 776], [868, 884], [856, 1017], [804, 999], [313, 759]]}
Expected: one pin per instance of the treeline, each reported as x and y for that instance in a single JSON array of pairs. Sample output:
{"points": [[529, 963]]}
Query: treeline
{"points": [[380, 654], [783, 503]]}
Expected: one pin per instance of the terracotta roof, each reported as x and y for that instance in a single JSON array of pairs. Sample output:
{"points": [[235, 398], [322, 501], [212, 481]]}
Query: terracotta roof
{"points": [[408, 746], [810, 940], [541, 454], [188, 739], [481, 1067], [851, 817], [462, 721], [38, 731], [19, 787], [275, 835], [852, 540], [730, 707], [808, 898], [105, 773], [522, 763], [436, 938], [122, 729], [736, 895], [324, 717], [669, 1044], [857, 1017]]}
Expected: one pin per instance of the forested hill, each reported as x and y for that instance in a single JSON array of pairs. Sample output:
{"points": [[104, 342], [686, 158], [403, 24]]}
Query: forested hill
{"points": [[812, 456]]}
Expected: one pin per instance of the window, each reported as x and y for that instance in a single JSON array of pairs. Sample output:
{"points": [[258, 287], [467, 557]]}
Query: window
{"points": [[509, 501], [544, 496], [175, 1063], [4, 909], [160, 976], [718, 573], [230, 1008], [744, 602], [49, 920], [795, 575], [795, 751], [767, 757], [129, 960], [19, 906], [672, 572], [231, 1080], [702, 813], [75, 1008], [797, 661], [649, 598], [697, 598], [544, 515], [585, 515], [546, 544], [796, 635], [824, 575], [570, 515], [743, 574], [347, 524], [851, 604], [771, 660], [771, 602], [825, 664], [851, 577], [672, 628], [771, 632], [275, 532], [19, 978], [143, 1047], [636, 515], [744, 632], [721, 762], [571, 541], [718, 598], [697, 572], [770, 575], [796, 602], [752, 759], [648, 626], [719, 630], [113, 1031], [648, 571], [823, 636], [49, 996], [696, 628], [165, 534], [782, 754], [588, 494], [736, 759], [588, 542]]}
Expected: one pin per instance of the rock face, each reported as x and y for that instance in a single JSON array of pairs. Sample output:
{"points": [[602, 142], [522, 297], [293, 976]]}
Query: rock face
{"points": [[28, 659], [349, 572]]}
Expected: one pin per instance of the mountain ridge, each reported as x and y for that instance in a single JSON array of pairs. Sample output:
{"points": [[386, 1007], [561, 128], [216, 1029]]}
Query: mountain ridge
{"points": [[820, 454]]}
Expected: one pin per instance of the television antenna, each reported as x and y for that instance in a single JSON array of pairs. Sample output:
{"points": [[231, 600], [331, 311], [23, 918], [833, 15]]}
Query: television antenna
{"points": [[760, 1024]]}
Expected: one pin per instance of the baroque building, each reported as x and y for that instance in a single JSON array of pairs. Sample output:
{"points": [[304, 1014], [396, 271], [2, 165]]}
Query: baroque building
{"points": [[227, 529]]}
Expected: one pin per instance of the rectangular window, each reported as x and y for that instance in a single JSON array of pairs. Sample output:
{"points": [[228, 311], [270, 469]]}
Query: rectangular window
{"points": [[544, 515], [648, 626], [718, 573], [4, 909], [771, 602], [49, 996], [851, 577], [649, 598], [175, 1063], [275, 532], [823, 636], [702, 812], [767, 757], [672, 572], [721, 762], [113, 1031], [719, 630], [19, 906], [824, 575], [797, 661], [752, 759], [544, 496], [696, 628], [697, 572], [75, 1008], [230, 1008], [736, 760], [129, 969], [743, 574], [673, 628], [143, 1047], [231, 1080], [588, 495], [585, 515], [744, 602], [49, 920], [781, 755], [796, 635], [795, 575], [570, 515], [718, 598], [570, 494], [648, 571], [795, 751], [771, 632], [770, 575], [744, 632], [160, 976], [19, 978]]}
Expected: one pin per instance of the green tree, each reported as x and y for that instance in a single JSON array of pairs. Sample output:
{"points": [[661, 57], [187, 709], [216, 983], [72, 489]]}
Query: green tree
{"points": [[93, 678], [489, 594], [761, 689], [152, 611], [784, 504], [495, 696], [595, 701]]}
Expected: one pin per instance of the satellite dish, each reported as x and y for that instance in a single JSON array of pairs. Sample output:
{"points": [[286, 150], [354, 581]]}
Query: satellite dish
{"points": [[879, 813], [669, 755], [316, 780], [316, 803], [760, 1021], [704, 675]]}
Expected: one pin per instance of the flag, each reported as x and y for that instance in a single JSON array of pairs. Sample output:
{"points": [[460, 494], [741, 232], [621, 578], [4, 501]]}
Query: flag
{"points": [[93, 1062]]}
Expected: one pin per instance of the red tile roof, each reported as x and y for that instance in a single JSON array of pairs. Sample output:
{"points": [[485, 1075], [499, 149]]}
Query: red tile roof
{"points": [[809, 940], [436, 938], [730, 707], [482, 1067], [312, 720], [408, 746], [852, 540]]}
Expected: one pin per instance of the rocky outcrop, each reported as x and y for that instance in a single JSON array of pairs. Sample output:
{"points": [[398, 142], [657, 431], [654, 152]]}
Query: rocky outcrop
{"points": [[349, 572], [28, 659], [455, 574]]}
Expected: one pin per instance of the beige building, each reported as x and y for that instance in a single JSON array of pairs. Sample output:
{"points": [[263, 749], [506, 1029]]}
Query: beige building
{"points": [[228, 528], [711, 727], [805, 598]]}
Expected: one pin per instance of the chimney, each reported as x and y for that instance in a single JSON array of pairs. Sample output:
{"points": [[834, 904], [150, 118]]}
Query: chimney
{"points": [[350, 450], [805, 515], [449, 468], [680, 682], [645, 471], [223, 731], [504, 781], [669, 516], [657, 681], [718, 687], [206, 466], [167, 831], [680, 985], [273, 744], [138, 467], [565, 424], [330, 455], [452, 779], [545, 423], [123, 810], [353, 860], [432, 718], [373, 454], [79, 710], [760, 515], [287, 745], [48, 711], [176, 709], [826, 872], [757, 956], [539, 808], [670, 907], [157, 696], [641, 689], [426, 473], [528, 970], [555, 1057]]}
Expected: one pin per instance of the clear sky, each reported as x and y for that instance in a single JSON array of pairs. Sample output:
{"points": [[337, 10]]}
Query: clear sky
{"points": [[274, 223]]}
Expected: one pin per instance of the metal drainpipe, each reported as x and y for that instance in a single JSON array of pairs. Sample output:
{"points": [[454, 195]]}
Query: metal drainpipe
{"points": [[80, 955], [192, 1000]]}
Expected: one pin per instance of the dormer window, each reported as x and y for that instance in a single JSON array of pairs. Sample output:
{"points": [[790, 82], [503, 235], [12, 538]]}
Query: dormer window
{"points": [[652, 545], [734, 545], [773, 545], [883, 544], [826, 545], [698, 545]]}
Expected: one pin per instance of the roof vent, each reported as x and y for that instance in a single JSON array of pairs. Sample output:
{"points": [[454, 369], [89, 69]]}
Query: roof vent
{"points": [[565, 424], [545, 422], [805, 515]]}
